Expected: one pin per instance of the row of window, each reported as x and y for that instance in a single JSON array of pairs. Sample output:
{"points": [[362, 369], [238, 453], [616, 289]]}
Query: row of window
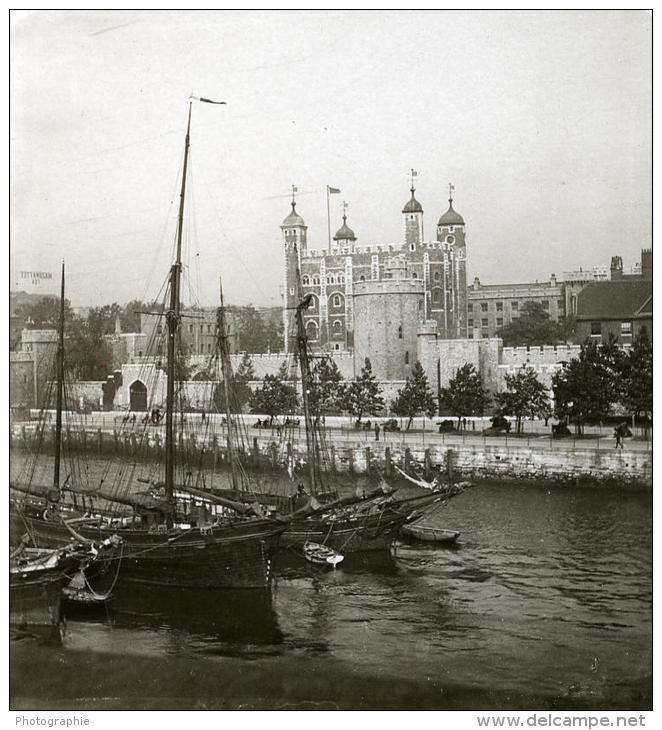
{"points": [[315, 280], [311, 329], [596, 328], [336, 301], [514, 306], [190, 328], [484, 323]]}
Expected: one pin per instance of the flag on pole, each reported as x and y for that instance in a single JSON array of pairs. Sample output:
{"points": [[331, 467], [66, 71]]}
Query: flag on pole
{"points": [[414, 173], [207, 101], [332, 191]]}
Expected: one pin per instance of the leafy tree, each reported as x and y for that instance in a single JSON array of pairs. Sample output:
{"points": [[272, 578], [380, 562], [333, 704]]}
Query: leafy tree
{"points": [[327, 392], [465, 395], [130, 314], [44, 313], [101, 320], [87, 355], [525, 396], [586, 387], [363, 394], [637, 377], [532, 327], [274, 397], [415, 396], [240, 392]]}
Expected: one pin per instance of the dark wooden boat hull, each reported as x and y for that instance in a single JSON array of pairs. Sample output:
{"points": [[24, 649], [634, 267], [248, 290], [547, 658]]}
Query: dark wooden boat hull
{"points": [[357, 534], [238, 555], [35, 598]]}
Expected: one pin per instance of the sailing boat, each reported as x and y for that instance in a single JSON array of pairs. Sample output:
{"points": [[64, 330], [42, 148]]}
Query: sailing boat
{"points": [[228, 549]]}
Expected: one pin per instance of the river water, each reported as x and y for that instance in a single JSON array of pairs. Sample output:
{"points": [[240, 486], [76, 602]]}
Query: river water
{"points": [[546, 601]]}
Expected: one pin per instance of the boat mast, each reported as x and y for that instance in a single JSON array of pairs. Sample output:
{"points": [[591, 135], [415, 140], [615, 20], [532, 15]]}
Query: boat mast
{"points": [[172, 318], [226, 370], [306, 381], [60, 388]]}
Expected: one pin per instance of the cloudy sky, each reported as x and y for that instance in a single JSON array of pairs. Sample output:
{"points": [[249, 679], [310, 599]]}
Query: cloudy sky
{"points": [[542, 120]]}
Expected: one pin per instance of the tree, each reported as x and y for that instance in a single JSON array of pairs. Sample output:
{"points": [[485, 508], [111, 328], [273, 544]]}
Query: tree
{"points": [[327, 390], [363, 394], [525, 396], [130, 314], [636, 391], [44, 313], [532, 327], [274, 397], [586, 387], [87, 355], [239, 389], [465, 395], [415, 397]]}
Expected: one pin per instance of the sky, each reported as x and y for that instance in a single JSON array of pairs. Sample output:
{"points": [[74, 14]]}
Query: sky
{"points": [[541, 120]]}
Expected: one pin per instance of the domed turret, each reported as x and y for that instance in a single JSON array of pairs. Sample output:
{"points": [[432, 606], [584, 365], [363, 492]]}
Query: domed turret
{"points": [[294, 219], [451, 217], [412, 205], [344, 233]]}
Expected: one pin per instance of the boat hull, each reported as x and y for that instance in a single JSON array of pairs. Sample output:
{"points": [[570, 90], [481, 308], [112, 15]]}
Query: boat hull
{"points": [[35, 599], [429, 534], [238, 555], [356, 534]]}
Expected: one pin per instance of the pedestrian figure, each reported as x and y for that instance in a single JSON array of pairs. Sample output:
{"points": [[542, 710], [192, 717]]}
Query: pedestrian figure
{"points": [[619, 438], [204, 415], [376, 432]]}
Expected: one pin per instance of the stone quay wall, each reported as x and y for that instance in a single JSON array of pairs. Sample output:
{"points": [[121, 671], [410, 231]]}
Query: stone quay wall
{"points": [[562, 464]]}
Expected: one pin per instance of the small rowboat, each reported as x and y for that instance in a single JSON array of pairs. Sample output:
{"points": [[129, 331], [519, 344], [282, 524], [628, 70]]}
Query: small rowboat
{"points": [[321, 554], [429, 534]]}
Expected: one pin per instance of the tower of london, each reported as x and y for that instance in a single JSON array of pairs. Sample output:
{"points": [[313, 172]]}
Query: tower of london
{"points": [[378, 297]]}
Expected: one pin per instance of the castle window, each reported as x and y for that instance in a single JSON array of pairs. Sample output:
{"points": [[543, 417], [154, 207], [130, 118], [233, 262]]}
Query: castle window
{"points": [[471, 323], [626, 328], [437, 276], [400, 332], [190, 328], [407, 357], [452, 228], [483, 322], [514, 306], [337, 327], [499, 321], [412, 246], [336, 300], [311, 330], [305, 281], [341, 279], [209, 347], [596, 328], [414, 275], [316, 280], [499, 306], [361, 278], [483, 306], [208, 329], [337, 346], [292, 290], [436, 296], [470, 307]]}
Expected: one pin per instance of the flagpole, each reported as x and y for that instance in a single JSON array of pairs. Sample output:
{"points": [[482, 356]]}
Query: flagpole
{"points": [[328, 216]]}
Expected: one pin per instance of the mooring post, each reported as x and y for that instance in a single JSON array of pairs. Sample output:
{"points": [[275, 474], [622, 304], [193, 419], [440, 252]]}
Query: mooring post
{"points": [[332, 453], [367, 460], [428, 466], [407, 459], [387, 462]]}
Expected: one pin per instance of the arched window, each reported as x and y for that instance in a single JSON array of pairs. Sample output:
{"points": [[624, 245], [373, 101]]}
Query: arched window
{"points": [[337, 301], [138, 396], [316, 280], [414, 275], [407, 357], [437, 276], [313, 303], [341, 279], [337, 327], [361, 278], [400, 332], [436, 296], [311, 330], [331, 279], [305, 280]]}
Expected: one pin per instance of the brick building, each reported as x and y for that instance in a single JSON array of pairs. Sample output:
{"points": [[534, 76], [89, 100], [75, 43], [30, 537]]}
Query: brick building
{"points": [[493, 306], [334, 275]]}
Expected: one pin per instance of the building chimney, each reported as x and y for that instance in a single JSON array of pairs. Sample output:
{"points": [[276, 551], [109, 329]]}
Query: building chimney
{"points": [[647, 263], [616, 268]]}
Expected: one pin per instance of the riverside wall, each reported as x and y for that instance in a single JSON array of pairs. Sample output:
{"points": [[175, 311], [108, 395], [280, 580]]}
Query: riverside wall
{"points": [[562, 464]]}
